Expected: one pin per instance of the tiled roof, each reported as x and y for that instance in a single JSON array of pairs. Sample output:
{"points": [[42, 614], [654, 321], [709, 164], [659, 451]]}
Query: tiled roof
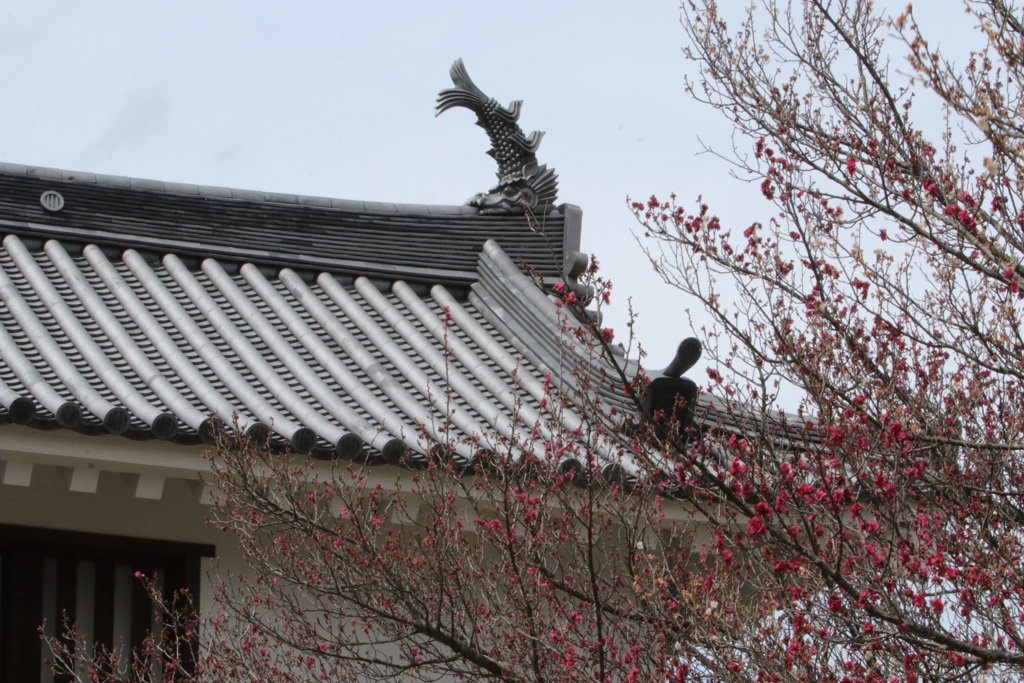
{"points": [[155, 311], [418, 243]]}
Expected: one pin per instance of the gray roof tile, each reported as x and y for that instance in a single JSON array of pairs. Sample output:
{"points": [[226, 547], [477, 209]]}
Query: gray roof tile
{"points": [[279, 198], [213, 191], [110, 180], [305, 200], [43, 172], [181, 188], [142, 184], [80, 176]]}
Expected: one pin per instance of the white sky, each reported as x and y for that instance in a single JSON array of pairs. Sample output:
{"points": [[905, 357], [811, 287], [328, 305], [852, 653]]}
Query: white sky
{"points": [[337, 99]]}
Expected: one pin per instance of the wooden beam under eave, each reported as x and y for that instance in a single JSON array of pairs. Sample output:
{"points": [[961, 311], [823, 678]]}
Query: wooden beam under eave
{"points": [[147, 485], [17, 473], [84, 479]]}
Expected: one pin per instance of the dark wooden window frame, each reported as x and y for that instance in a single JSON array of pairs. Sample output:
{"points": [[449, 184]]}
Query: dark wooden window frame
{"points": [[22, 554]]}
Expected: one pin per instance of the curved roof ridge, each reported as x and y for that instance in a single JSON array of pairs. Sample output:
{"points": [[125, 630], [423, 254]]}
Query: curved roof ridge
{"points": [[221, 192], [423, 245]]}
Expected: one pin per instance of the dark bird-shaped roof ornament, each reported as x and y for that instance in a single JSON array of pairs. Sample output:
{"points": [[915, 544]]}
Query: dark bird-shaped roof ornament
{"points": [[523, 184]]}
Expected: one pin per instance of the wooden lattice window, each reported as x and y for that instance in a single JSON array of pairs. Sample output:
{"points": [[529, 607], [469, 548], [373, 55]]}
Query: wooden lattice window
{"points": [[91, 578]]}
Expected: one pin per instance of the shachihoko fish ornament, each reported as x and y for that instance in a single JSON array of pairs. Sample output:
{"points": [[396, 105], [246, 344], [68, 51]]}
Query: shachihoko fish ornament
{"points": [[523, 184]]}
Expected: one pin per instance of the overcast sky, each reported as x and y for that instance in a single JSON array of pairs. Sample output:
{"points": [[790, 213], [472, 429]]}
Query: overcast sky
{"points": [[337, 99]]}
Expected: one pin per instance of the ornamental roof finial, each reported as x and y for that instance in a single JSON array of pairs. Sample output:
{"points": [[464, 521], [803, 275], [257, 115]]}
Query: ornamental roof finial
{"points": [[523, 184]]}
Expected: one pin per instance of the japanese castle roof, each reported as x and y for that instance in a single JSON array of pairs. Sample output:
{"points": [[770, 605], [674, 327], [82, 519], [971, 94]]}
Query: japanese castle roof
{"points": [[156, 311], [364, 330]]}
